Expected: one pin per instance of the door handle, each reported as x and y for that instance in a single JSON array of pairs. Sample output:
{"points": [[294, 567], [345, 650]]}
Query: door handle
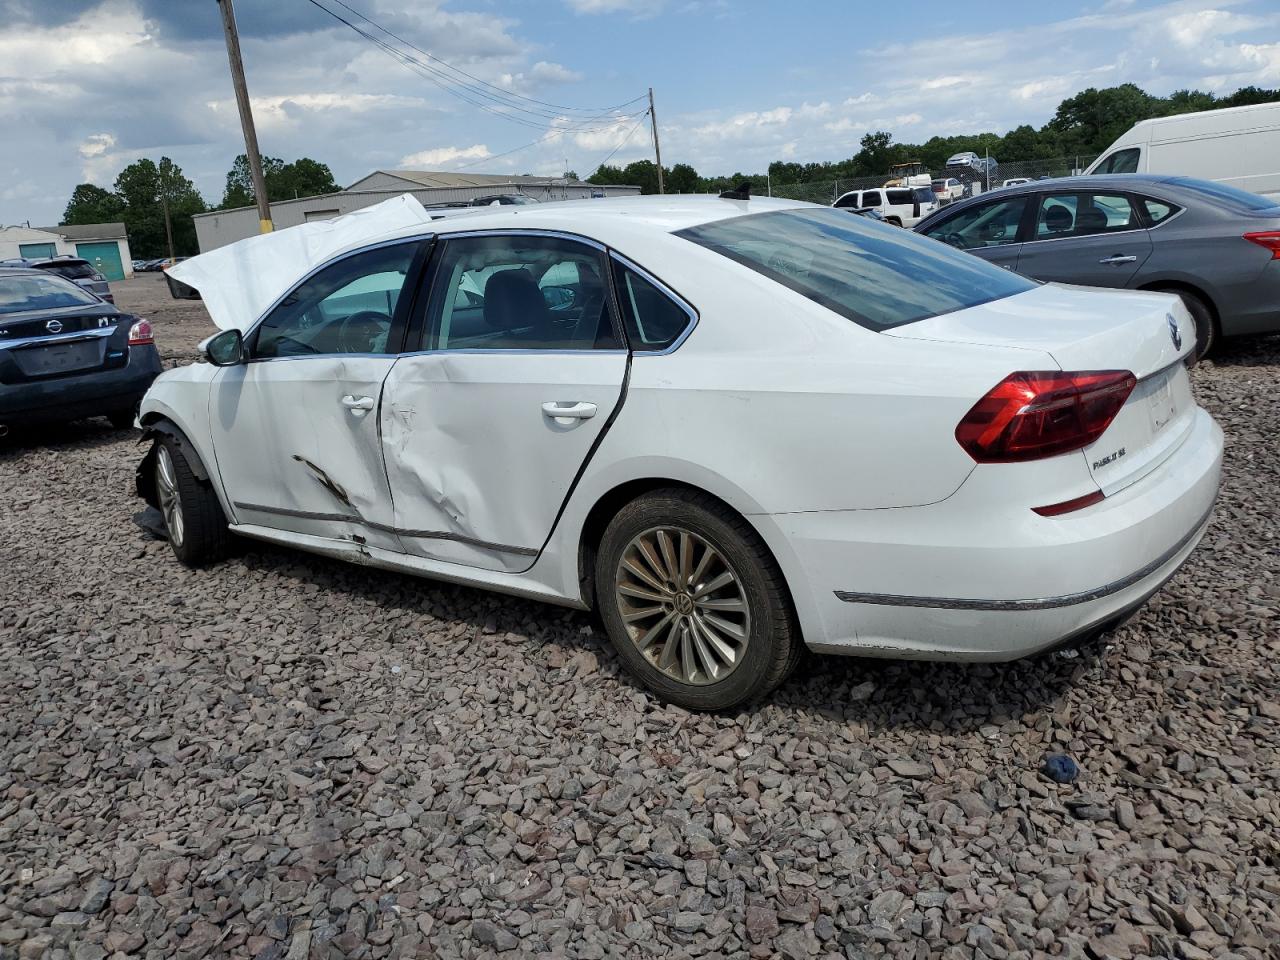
{"points": [[1118, 258], [559, 410], [358, 406]]}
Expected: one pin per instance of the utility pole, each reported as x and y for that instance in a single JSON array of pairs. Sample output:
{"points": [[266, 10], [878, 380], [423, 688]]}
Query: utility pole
{"points": [[657, 150], [246, 115], [164, 203]]}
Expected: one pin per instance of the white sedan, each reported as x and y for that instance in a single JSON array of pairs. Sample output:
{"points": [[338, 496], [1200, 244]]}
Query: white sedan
{"points": [[735, 427]]}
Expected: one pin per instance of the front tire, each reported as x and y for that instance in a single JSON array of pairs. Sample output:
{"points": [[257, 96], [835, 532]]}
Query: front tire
{"points": [[193, 517], [693, 602]]}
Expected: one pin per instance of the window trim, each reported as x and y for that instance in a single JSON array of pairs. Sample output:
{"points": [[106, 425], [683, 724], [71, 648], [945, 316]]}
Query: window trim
{"points": [[689, 309], [426, 242], [1146, 217], [1035, 217], [420, 325]]}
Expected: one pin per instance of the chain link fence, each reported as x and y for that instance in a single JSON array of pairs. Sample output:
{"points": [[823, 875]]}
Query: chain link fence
{"points": [[972, 180]]}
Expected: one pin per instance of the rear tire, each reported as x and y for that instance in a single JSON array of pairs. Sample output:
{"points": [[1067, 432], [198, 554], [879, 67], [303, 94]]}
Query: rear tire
{"points": [[893, 220], [193, 516], [693, 602]]}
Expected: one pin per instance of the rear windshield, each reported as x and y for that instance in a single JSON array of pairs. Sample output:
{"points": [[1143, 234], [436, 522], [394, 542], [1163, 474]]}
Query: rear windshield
{"points": [[72, 271], [923, 194], [877, 275], [1231, 196], [29, 291]]}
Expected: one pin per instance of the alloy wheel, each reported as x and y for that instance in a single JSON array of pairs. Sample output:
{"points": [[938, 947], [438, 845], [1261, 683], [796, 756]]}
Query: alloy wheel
{"points": [[167, 491], [683, 605]]}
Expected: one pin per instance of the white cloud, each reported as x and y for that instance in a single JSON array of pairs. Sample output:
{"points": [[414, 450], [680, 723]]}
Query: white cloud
{"points": [[442, 156], [95, 145], [645, 7]]}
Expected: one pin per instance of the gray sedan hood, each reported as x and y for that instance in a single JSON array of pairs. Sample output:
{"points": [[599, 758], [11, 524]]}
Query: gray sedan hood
{"points": [[240, 281]]}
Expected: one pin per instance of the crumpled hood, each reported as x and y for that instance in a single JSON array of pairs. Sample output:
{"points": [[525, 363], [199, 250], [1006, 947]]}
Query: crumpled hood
{"points": [[241, 280]]}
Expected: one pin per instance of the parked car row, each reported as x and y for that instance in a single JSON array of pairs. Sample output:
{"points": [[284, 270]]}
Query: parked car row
{"points": [[154, 266]]}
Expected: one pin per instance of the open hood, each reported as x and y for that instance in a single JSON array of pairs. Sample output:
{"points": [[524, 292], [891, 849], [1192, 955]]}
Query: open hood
{"points": [[241, 280]]}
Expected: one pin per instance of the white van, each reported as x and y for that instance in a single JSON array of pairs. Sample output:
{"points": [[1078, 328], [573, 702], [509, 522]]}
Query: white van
{"points": [[901, 206], [1237, 145]]}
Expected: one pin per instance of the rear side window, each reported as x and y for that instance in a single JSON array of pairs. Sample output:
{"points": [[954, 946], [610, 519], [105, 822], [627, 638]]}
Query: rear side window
{"points": [[899, 197], [1158, 211], [653, 320], [877, 276], [1122, 161], [849, 200], [871, 198], [1084, 214]]}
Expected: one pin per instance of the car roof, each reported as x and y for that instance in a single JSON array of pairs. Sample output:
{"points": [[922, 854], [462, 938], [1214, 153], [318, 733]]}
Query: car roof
{"points": [[21, 272], [665, 214]]}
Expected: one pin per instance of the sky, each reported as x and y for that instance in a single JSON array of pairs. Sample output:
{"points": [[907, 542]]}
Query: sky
{"points": [[87, 86]]}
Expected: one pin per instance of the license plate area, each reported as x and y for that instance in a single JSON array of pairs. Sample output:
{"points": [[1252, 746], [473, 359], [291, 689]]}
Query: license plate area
{"points": [[1160, 403], [56, 358]]}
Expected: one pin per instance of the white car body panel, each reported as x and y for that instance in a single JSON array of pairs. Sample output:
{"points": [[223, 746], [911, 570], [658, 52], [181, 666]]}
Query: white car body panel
{"points": [[478, 470], [836, 443]]}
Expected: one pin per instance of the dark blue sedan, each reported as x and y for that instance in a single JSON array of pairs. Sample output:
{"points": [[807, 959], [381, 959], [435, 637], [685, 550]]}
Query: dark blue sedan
{"points": [[66, 354]]}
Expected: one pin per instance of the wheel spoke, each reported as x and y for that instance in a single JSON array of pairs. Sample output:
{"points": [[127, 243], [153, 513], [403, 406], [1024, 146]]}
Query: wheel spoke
{"points": [[710, 665], [641, 613], [707, 556], [725, 627], [722, 604], [670, 648], [647, 640], [640, 593], [668, 555], [686, 654], [645, 549], [711, 586], [686, 560], [725, 651], [639, 571]]}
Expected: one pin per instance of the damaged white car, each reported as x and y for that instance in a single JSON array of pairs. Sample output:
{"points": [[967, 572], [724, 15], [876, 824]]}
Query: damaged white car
{"points": [[735, 427]]}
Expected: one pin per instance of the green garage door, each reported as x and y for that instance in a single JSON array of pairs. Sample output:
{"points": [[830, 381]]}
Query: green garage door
{"points": [[35, 251], [105, 257]]}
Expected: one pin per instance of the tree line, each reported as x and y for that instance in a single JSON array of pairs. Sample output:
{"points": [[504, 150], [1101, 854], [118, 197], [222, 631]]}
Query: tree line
{"points": [[1083, 126], [145, 188]]}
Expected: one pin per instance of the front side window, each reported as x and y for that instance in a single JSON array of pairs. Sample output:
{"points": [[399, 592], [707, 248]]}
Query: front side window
{"points": [[1122, 161], [876, 276], [986, 225], [520, 292], [1083, 215], [653, 320], [22, 292], [348, 307]]}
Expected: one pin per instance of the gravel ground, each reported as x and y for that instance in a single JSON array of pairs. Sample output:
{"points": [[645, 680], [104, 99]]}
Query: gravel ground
{"points": [[286, 756]]}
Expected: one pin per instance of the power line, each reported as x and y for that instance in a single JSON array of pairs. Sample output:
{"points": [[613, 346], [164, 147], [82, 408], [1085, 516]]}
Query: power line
{"points": [[501, 91], [550, 136], [533, 117], [623, 143]]}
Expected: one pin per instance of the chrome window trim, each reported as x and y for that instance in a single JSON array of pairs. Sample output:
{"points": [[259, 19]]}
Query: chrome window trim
{"points": [[1182, 208], [689, 309], [1040, 603], [252, 328], [1131, 197]]}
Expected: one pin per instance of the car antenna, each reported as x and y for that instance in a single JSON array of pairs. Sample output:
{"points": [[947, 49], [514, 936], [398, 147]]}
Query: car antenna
{"points": [[741, 192]]}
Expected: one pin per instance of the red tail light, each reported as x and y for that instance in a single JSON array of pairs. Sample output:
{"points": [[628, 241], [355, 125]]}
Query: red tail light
{"points": [[1027, 416], [140, 333], [1269, 239]]}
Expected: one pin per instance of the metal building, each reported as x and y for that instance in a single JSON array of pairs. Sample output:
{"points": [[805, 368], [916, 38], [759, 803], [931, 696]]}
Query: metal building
{"points": [[432, 189], [105, 245]]}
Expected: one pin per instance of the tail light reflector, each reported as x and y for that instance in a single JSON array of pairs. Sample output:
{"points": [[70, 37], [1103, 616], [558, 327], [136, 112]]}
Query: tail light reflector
{"points": [[1269, 239], [1031, 415], [140, 334], [1067, 506]]}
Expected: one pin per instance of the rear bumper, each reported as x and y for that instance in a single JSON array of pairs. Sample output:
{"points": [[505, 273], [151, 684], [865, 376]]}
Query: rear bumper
{"points": [[84, 395], [966, 581]]}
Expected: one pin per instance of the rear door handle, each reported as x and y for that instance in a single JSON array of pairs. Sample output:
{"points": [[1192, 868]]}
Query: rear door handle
{"points": [[1118, 258], [358, 406], [559, 410]]}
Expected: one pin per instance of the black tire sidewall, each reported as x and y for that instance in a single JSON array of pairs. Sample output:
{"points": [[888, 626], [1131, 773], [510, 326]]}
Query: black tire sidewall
{"points": [[748, 561], [204, 523], [1206, 333]]}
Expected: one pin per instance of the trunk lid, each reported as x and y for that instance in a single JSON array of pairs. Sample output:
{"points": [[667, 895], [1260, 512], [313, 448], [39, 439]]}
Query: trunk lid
{"points": [[70, 340], [1083, 329]]}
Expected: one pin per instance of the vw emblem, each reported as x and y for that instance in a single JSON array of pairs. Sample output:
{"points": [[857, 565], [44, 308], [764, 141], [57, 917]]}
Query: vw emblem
{"points": [[54, 326], [1173, 332]]}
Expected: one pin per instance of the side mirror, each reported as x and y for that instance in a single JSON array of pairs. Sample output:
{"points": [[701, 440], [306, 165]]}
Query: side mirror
{"points": [[225, 349]]}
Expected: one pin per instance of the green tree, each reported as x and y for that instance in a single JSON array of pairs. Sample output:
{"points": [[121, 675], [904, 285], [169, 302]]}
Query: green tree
{"points": [[303, 177], [144, 187], [1093, 118], [682, 178], [92, 204]]}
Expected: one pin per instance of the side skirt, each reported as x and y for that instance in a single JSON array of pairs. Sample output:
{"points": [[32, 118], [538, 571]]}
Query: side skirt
{"points": [[513, 584]]}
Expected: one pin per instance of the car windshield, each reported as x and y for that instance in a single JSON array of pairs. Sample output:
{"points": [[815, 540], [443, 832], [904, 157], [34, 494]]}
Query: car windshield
{"points": [[876, 275], [29, 291], [1231, 196]]}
